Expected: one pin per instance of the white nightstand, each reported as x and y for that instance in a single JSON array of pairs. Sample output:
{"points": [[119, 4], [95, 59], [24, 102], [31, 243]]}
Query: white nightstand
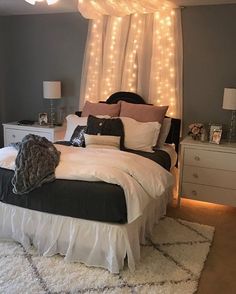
{"points": [[208, 172], [15, 133]]}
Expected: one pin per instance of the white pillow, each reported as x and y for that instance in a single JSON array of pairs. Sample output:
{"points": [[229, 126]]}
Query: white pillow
{"points": [[102, 141], [165, 128], [140, 135], [72, 121]]}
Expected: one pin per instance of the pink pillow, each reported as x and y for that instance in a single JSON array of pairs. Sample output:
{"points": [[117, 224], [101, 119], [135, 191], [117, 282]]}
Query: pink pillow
{"points": [[101, 109], [142, 112]]}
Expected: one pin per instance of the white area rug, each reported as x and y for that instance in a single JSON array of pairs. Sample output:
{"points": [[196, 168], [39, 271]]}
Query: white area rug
{"points": [[170, 264]]}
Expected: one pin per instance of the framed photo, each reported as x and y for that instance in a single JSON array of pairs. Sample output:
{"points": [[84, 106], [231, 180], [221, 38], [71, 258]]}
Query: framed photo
{"points": [[43, 118], [215, 134]]}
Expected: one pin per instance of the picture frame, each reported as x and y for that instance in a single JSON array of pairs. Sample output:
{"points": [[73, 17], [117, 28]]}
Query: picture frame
{"points": [[43, 118], [215, 134]]}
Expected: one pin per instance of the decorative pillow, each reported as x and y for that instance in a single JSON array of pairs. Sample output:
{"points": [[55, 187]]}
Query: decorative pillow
{"points": [[100, 141], [165, 128], [100, 109], [77, 139], [142, 112], [72, 122], [139, 135], [108, 127]]}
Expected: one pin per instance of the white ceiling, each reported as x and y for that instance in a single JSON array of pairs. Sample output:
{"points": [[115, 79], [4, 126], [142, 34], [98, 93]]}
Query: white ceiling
{"points": [[11, 7]]}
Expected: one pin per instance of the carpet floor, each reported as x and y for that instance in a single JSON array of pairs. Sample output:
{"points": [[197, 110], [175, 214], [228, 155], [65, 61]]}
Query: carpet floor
{"points": [[170, 264]]}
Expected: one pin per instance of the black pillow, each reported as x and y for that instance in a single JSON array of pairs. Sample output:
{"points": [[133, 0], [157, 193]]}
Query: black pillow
{"points": [[107, 127], [77, 138]]}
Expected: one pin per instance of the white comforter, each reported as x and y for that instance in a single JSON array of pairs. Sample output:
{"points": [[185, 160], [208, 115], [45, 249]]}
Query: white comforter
{"points": [[141, 178]]}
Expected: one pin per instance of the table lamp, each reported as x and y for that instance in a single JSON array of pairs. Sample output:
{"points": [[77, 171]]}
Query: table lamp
{"points": [[52, 91], [229, 102]]}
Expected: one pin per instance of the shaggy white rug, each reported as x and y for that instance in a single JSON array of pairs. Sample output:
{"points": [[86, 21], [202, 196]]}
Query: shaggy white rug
{"points": [[170, 264]]}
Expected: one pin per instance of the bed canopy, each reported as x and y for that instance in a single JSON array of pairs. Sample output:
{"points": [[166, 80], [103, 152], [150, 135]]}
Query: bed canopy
{"points": [[134, 46]]}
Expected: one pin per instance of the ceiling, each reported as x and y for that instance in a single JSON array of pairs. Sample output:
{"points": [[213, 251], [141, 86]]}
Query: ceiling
{"points": [[11, 7]]}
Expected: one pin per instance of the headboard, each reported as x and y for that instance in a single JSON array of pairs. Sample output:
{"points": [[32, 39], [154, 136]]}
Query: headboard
{"points": [[174, 133]]}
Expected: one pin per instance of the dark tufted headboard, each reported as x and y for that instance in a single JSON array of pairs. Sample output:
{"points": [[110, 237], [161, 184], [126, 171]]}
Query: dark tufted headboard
{"points": [[174, 133]]}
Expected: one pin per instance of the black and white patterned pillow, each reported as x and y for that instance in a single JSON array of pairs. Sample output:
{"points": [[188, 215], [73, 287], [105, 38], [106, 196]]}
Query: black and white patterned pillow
{"points": [[77, 138]]}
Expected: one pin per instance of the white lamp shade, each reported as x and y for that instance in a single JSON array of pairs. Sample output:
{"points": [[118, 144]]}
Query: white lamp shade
{"points": [[52, 89], [49, 2], [229, 100]]}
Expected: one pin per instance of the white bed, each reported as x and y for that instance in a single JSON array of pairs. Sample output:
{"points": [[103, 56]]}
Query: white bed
{"points": [[94, 243]]}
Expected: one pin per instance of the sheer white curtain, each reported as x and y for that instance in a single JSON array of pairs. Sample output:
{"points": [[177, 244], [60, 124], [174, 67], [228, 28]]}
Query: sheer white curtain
{"points": [[139, 52]]}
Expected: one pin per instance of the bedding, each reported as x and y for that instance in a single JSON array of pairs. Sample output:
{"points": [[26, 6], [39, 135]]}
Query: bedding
{"points": [[117, 167], [106, 126], [72, 121], [94, 243], [77, 138], [102, 141], [143, 113], [97, 217], [164, 131], [140, 136], [90, 108], [31, 171]]}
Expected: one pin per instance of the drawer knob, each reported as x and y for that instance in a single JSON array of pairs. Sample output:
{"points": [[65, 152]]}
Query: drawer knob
{"points": [[13, 136], [195, 176], [194, 192], [197, 158]]}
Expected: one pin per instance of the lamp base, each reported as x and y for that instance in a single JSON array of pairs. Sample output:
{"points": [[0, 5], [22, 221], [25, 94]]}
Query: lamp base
{"points": [[52, 120], [232, 129]]}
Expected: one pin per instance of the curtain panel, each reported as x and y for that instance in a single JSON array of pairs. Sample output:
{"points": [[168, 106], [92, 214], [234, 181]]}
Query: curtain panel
{"points": [[139, 52]]}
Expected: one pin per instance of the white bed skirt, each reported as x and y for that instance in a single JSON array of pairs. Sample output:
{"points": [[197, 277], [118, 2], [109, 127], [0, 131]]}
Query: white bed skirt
{"points": [[90, 242]]}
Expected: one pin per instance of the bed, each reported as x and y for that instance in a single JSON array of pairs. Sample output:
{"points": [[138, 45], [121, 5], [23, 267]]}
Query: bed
{"points": [[103, 224]]}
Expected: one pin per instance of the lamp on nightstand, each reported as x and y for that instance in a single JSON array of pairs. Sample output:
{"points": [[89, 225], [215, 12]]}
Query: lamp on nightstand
{"points": [[229, 102], [52, 91]]}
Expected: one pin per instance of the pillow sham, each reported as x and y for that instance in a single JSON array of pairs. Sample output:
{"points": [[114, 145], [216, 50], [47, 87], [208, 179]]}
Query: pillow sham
{"points": [[72, 121], [165, 128], [100, 109], [108, 127], [101, 141], [143, 112], [140, 136], [77, 138]]}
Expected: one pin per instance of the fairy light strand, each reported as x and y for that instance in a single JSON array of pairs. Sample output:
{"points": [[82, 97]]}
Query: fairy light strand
{"points": [[104, 72]]}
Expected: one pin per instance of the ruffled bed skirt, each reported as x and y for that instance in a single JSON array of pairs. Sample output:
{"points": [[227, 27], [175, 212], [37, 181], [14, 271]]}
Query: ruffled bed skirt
{"points": [[90, 242]]}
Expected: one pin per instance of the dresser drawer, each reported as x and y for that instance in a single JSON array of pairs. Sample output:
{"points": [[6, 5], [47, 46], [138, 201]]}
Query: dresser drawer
{"points": [[210, 159], [208, 176], [13, 135], [209, 194]]}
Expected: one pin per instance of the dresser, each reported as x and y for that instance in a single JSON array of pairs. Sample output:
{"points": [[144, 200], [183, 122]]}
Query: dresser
{"points": [[15, 133], [208, 172]]}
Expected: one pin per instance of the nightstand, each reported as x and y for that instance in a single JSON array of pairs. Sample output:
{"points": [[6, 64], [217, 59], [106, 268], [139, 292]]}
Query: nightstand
{"points": [[15, 133], [208, 172]]}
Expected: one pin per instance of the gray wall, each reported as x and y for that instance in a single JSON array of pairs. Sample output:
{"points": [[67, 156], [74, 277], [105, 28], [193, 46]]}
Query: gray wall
{"points": [[38, 48], [48, 47], [209, 61], [2, 76]]}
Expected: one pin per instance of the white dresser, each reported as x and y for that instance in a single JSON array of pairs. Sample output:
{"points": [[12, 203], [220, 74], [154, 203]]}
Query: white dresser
{"points": [[15, 133], [208, 172]]}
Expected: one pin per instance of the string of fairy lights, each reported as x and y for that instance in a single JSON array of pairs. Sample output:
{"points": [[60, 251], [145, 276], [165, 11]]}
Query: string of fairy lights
{"points": [[162, 78], [113, 63]]}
